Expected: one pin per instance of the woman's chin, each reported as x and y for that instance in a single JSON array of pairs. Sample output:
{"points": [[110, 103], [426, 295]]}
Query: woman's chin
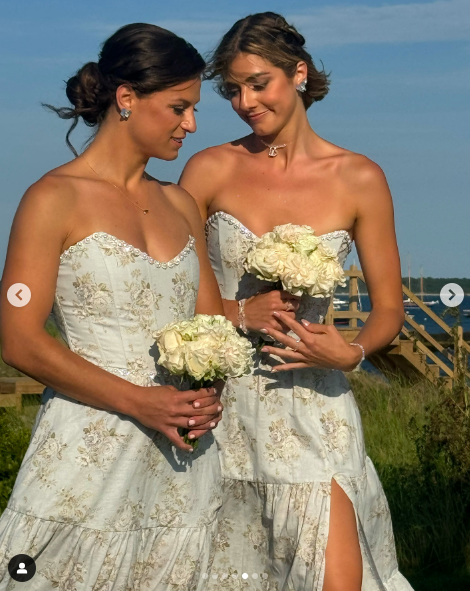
{"points": [[262, 129], [168, 155]]}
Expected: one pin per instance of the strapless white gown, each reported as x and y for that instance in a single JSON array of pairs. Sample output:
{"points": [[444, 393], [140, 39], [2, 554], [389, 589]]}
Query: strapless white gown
{"points": [[282, 439], [102, 502]]}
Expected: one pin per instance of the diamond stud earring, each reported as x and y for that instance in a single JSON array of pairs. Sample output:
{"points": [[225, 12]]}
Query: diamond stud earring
{"points": [[302, 87], [125, 114]]}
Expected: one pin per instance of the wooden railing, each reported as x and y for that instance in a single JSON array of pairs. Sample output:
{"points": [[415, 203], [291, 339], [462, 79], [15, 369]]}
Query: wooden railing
{"points": [[430, 353]]}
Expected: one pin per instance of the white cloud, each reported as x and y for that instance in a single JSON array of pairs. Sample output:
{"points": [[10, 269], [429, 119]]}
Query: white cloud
{"points": [[442, 20]]}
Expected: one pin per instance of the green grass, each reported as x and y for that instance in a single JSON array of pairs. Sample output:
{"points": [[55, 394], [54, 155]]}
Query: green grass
{"points": [[417, 438], [15, 433]]}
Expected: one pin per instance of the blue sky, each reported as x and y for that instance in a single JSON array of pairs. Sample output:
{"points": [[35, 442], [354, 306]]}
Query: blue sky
{"points": [[400, 94]]}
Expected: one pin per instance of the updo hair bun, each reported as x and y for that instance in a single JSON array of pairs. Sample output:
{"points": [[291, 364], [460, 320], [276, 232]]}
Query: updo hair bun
{"points": [[291, 35], [272, 38], [87, 94], [145, 57]]}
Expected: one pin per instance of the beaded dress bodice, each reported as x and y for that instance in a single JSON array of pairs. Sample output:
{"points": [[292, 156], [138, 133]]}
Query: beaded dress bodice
{"points": [[110, 298]]}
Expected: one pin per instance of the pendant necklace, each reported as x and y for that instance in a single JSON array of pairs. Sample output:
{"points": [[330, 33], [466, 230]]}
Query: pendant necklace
{"points": [[145, 211], [273, 149]]}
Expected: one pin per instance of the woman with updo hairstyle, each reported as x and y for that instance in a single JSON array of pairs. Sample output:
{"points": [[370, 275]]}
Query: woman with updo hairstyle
{"points": [[109, 495], [303, 508]]}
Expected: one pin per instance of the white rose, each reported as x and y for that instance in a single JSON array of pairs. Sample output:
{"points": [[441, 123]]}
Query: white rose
{"points": [[174, 361], [236, 356], [264, 263], [170, 340], [297, 274], [291, 233], [198, 358]]}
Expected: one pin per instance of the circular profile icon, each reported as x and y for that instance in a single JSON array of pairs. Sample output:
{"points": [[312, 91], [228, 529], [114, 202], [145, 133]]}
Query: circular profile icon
{"points": [[22, 568], [18, 295], [452, 295]]}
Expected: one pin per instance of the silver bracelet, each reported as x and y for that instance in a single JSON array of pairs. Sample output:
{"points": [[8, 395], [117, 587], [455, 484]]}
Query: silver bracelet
{"points": [[241, 316], [363, 353]]}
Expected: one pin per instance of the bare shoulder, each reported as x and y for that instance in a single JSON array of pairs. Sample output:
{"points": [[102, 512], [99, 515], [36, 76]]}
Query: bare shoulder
{"points": [[210, 159], [360, 173], [366, 187], [206, 172], [54, 197], [44, 218], [184, 203]]}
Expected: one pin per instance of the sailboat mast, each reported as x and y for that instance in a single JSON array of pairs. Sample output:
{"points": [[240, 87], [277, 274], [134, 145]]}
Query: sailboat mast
{"points": [[421, 284], [409, 273]]}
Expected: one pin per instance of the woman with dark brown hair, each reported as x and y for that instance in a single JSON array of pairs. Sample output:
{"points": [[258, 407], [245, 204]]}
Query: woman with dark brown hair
{"points": [[303, 507], [109, 496]]}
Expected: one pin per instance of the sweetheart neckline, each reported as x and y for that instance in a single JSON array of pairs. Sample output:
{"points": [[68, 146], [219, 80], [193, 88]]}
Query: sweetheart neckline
{"points": [[224, 213], [87, 239]]}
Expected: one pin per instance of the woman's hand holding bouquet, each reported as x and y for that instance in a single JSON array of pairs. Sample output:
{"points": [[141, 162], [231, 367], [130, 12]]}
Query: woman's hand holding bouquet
{"points": [[293, 256], [203, 351]]}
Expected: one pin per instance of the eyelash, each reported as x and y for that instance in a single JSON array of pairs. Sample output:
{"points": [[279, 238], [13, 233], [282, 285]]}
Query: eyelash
{"points": [[255, 87], [180, 110]]}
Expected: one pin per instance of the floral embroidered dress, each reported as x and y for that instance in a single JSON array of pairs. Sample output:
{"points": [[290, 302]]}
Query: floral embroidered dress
{"points": [[102, 502], [282, 439]]}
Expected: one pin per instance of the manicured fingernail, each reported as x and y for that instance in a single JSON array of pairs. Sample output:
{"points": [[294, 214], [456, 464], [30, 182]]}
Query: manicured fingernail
{"points": [[197, 404], [219, 408], [191, 449], [263, 330], [192, 436], [305, 322], [212, 424], [191, 422], [276, 314], [273, 370], [265, 350]]}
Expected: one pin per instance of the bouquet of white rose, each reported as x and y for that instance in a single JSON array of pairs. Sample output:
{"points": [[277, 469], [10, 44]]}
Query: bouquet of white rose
{"points": [[203, 350], [294, 256]]}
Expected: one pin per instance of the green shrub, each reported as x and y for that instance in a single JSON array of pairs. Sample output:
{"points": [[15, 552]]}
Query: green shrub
{"points": [[15, 433], [417, 435]]}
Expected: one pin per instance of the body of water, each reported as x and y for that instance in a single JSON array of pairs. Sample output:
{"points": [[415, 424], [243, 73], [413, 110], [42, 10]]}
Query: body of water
{"points": [[421, 317]]}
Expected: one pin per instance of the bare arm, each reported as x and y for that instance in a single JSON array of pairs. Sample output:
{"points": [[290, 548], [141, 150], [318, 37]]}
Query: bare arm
{"points": [[374, 232], [377, 248], [209, 300], [42, 223]]}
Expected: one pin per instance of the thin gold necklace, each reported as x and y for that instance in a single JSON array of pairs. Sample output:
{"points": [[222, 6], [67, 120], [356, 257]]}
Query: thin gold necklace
{"points": [[120, 190], [273, 149]]}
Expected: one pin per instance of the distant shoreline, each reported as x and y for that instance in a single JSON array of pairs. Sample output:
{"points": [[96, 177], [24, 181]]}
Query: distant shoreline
{"points": [[426, 295]]}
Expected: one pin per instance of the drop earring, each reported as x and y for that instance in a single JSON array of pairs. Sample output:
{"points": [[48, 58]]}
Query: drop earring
{"points": [[302, 87], [125, 114]]}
